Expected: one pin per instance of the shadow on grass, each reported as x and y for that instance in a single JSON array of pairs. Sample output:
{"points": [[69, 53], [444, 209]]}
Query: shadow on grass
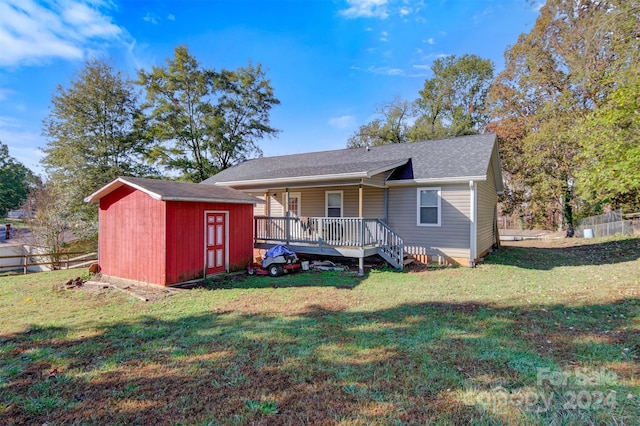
{"points": [[605, 253], [412, 364], [311, 278]]}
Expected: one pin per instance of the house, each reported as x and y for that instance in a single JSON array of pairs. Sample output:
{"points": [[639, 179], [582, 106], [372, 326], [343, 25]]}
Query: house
{"points": [[432, 200], [166, 233]]}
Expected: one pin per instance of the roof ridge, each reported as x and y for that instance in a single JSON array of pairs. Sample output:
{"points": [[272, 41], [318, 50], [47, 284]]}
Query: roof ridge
{"points": [[375, 147]]}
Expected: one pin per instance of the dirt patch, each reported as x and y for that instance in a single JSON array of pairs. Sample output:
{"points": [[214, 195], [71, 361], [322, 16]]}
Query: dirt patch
{"points": [[142, 291]]}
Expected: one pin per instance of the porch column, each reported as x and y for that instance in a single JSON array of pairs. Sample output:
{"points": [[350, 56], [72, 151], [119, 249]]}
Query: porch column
{"points": [[286, 202], [287, 224], [360, 207]]}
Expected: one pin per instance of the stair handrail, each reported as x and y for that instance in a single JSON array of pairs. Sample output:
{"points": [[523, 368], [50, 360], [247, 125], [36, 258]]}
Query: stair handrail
{"points": [[391, 244]]}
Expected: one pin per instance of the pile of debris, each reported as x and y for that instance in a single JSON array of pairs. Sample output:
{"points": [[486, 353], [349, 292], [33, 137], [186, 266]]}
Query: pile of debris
{"points": [[327, 265], [74, 283]]}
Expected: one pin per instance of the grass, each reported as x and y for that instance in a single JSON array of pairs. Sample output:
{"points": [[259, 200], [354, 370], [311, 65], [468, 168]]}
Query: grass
{"points": [[538, 334], [18, 223]]}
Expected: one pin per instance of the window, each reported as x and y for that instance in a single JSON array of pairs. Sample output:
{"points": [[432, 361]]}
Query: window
{"points": [[294, 203], [334, 203], [428, 207]]}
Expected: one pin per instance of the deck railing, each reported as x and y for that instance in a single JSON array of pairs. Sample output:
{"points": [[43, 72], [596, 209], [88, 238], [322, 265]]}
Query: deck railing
{"points": [[332, 231]]}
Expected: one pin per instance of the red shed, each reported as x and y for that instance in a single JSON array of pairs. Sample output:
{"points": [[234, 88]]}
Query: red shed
{"points": [[165, 232]]}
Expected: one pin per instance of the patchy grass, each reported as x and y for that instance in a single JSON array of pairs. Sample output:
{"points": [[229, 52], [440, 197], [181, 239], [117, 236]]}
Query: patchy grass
{"points": [[539, 334], [16, 223]]}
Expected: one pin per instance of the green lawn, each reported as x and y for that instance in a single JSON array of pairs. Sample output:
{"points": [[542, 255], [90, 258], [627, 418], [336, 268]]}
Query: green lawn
{"points": [[538, 334]]}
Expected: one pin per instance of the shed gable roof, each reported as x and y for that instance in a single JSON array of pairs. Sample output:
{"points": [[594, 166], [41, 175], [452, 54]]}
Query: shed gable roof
{"points": [[462, 157], [176, 191]]}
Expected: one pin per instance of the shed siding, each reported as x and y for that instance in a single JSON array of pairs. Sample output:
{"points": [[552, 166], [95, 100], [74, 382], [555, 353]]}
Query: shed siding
{"points": [[487, 201], [132, 236], [313, 201], [185, 238], [450, 239]]}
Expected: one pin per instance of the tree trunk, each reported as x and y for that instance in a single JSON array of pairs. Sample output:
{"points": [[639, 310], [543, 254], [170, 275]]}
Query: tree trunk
{"points": [[567, 210]]}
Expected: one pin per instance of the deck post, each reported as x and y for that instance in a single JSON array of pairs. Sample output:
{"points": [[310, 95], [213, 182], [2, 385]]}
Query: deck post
{"points": [[360, 266], [360, 206], [287, 229]]}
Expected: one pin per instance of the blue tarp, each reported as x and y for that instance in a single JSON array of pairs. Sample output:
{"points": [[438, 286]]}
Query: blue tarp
{"points": [[277, 251]]}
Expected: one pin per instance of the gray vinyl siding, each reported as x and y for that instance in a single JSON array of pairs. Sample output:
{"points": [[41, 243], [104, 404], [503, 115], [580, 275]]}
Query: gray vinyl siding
{"points": [[450, 239], [487, 199], [313, 201]]}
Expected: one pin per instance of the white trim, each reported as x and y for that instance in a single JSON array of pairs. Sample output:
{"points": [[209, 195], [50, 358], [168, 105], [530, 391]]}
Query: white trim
{"points": [[226, 239], [211, 200], [326, 202], [305, 186], [117, 183], [461, 179], [314, 178], [473, 225], [418, 206]]}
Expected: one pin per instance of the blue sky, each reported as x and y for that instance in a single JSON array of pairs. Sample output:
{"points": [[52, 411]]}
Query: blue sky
{"points": [[331, 62]]}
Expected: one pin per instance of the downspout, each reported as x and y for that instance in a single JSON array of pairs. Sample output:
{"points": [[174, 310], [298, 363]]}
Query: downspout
{"points": [[473, 225]]}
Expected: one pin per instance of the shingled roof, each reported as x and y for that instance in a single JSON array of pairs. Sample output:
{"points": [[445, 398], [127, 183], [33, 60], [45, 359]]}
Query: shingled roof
{"points": [[463, 157], [176, 191]]}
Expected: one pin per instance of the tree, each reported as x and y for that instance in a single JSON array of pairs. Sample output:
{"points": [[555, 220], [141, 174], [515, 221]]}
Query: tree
{"points": [[452, 103], [554, 77], [95, 132], [392, 127], [454, 99], [203, 121], [242, 114], [52, 220], [15, 182], [610, 142]]}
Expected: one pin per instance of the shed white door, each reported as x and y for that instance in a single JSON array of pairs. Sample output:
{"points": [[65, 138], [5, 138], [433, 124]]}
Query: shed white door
{"points": [[216, 249]]}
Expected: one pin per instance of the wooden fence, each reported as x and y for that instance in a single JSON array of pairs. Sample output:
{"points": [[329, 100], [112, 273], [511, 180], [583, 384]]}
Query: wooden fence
{"points": [[55, 260]]}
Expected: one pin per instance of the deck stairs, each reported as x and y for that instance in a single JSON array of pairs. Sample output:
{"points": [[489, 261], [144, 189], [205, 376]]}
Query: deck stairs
{"points": [[390, 246]]}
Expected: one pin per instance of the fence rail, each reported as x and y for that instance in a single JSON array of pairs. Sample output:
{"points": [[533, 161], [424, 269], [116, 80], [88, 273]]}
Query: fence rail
{"points": [[55, 260], [623, 227], [611, 223]]}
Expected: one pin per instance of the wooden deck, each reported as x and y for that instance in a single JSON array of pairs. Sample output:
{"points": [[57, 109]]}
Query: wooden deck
{"points": [[331, 236]]}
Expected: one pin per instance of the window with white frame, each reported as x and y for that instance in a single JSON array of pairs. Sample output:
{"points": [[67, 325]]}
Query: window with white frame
{"points": [[428, 207], [334, 203]]}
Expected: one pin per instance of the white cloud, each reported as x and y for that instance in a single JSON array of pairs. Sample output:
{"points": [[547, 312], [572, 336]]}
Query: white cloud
{"points": [[32, 33], [171, 17], [22, 143], [151, 18], [5, 93], [342, 122], [385, 70], [366, 9], [404, 11], [421, 66], [384, 36], [430, 40]]}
